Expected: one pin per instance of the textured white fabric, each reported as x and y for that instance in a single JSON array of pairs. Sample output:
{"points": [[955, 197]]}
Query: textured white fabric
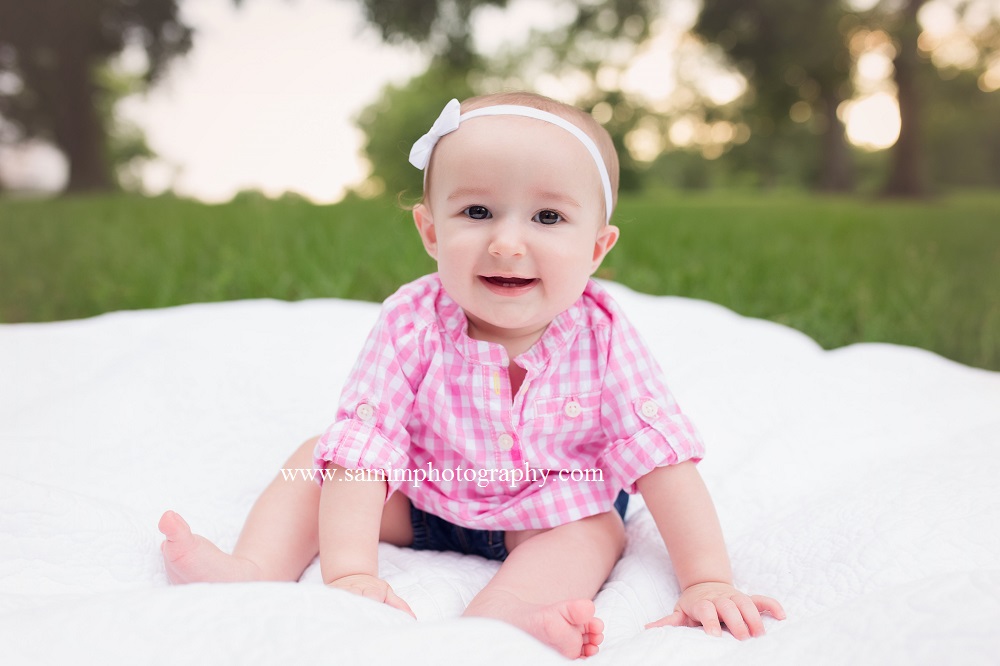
{"points": [[857, 486]]}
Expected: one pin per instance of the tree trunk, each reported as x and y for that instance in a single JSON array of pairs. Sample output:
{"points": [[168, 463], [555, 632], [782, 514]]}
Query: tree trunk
{"points": [[72, 96], [837, 171], [907, 177], [79, 131]]}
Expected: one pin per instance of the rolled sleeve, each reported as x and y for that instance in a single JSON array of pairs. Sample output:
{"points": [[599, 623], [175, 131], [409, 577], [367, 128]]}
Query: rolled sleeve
{"points": [[370, 429], [665, 439], [357, 444], [641, 419]]}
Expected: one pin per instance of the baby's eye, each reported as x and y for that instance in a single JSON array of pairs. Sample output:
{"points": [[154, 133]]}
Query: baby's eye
{"points": [[478, 212], [547, 217]]}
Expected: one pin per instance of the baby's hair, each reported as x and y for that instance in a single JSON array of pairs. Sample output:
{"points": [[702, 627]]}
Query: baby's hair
{"points": [[578, 117]]}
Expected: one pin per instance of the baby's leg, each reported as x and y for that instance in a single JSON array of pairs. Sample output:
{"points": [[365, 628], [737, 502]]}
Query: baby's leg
{"points": [[279, 539], [547, 584]]}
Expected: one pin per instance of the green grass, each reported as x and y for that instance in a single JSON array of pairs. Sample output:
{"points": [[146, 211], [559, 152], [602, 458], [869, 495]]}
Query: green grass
{"points": [[841, 270]]}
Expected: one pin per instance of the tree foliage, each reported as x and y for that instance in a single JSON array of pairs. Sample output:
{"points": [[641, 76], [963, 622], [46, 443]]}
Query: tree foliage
{"points": [[939, 97], [793, 54], [457, 69], [398, 118], [443, 25], [57, 84], [53, 55], [961, 131]]}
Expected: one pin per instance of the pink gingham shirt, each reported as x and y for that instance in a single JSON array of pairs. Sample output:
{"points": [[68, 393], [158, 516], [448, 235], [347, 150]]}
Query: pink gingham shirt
{"points": [[423, 393]]}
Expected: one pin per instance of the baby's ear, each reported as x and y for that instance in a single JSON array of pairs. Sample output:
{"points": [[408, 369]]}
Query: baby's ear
{"points": [[425, 227], [606, 239]]}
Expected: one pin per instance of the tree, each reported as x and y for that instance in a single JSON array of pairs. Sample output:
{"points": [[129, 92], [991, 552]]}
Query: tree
{"points": [[926, 82], [907, 176], [398, 118], [52, 53], [960, 131], [443, 27], [794, 56], [796, 53]]}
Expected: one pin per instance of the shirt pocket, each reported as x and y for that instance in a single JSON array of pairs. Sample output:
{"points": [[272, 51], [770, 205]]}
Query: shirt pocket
{"points": [[570, 413]]}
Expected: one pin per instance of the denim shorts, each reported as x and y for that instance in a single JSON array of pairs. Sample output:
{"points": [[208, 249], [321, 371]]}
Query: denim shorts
{"points": [[433, 533]]}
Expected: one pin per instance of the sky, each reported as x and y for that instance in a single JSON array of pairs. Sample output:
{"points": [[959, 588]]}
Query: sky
{"points": [[266, 97]]}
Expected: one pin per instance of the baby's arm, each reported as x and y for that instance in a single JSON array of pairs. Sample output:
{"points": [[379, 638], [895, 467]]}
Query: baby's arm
{"points": [[350, 515], [685, 516]]}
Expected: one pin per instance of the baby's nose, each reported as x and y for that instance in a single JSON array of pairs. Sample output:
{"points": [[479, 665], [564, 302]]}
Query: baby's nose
{"points": [[507, 240]]}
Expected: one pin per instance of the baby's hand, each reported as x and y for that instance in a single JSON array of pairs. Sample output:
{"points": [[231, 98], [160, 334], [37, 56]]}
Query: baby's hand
{"points": [[372, 588], [710, 604]]}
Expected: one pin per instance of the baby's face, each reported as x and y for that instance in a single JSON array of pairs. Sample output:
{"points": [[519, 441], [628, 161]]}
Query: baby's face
{"points": [[515, 219]]}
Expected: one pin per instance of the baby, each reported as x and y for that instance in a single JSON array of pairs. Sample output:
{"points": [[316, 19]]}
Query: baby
{"points": [[512, 364]]}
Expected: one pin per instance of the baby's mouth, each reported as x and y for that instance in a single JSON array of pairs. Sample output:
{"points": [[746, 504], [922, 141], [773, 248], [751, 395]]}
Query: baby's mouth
{"points": [[507, 282]]}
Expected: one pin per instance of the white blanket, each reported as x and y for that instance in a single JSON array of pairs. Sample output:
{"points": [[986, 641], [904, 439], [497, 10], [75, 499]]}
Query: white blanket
{"points": [[857, 486]]}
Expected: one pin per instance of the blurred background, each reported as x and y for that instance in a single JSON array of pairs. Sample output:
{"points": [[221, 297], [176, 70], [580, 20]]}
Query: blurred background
{"points": [[833, 165]]}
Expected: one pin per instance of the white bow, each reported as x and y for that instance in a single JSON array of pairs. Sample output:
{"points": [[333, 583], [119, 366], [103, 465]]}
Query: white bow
{"points": [[446, 123]]}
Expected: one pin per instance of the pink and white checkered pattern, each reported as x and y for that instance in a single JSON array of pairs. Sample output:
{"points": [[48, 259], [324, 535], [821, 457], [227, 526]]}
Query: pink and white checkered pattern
{"points": [[423, 393]]}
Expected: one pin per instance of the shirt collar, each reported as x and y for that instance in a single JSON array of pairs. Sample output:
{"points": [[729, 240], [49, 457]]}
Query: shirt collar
{"points": [[456, 326]]}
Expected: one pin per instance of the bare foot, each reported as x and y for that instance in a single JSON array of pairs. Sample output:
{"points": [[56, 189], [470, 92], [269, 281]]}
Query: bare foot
{"points": [[568, 626], [191, 558]]}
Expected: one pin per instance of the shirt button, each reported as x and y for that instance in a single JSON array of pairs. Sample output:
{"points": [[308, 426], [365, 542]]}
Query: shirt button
{"points": [[365, 411], [572, 409], [649, 409], [505, 442]]}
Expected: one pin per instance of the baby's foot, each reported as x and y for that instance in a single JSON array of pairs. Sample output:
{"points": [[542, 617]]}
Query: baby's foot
{"points": [[190, 558], [568, 626]]}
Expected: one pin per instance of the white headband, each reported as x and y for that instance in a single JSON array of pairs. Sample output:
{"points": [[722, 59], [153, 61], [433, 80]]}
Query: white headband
{"points": [[451, 116]]}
